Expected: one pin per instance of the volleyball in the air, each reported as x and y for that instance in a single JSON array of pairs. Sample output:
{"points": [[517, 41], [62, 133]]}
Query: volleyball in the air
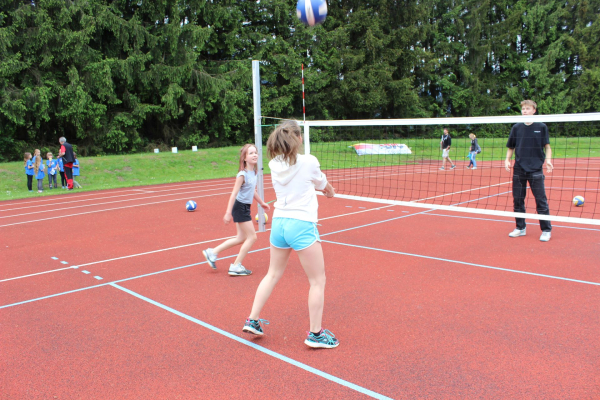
{"points": [[266, 218], [190, 205], [578, 201], [311, 12]]}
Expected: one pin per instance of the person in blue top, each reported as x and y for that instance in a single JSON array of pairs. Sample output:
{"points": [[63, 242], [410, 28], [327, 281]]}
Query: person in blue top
{"points": [[76, 172], [61, 171], [51, 167], [238, 208], [29, 170], [38, 170]]}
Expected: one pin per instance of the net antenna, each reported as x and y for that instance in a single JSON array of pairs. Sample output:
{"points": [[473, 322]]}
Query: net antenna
{"points": [[258, 141], [399, 162]]}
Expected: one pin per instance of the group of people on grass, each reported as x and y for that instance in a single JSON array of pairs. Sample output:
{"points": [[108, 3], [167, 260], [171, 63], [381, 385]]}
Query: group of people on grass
{"points": [[66, 165], [297, 177]]}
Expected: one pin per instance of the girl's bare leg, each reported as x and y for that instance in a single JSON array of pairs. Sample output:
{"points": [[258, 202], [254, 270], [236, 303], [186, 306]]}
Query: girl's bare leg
{"points": [[277, 265]]}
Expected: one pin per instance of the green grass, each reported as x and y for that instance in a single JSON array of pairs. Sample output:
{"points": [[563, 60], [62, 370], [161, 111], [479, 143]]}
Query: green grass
{"points": [[118, 171], [109, 172]]}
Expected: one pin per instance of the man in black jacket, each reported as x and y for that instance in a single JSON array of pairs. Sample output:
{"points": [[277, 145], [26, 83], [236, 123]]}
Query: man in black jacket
{"points": [[66, 152], [530, 142]]}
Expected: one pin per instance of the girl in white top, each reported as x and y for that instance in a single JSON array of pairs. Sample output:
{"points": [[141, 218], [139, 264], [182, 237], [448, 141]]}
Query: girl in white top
{"points": [[238, 208], [295, 179]]}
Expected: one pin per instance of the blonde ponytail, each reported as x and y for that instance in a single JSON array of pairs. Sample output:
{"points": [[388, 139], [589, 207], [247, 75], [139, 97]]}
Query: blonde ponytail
{"points": [[285, 141]]}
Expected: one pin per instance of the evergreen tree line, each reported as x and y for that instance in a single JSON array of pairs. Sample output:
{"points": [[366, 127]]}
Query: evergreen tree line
{"points": [[121, 76]]}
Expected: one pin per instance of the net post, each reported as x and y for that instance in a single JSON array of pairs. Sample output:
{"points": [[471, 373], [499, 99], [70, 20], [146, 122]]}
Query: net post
{"points": [[306, 139], [258, 140]]}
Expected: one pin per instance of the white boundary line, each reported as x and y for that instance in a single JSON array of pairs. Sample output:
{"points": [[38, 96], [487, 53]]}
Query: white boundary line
{"points": [[110, 209], [118, 258], [463, 191], [138, 192], [38, 273], [262, 349], [109, 202], [464, 263]]}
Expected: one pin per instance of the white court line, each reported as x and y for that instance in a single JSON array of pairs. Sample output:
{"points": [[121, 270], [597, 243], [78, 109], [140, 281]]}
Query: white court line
{"points": [[567, 188], [150, 252], [38, 273], [169, 248], [356, 212], [118, 258], [109, 202], [112, 197], [117, 281], [462, 191], [162, 187], [255, 346], [110, 209], [70, 195], [465, 263], [511, 221]]}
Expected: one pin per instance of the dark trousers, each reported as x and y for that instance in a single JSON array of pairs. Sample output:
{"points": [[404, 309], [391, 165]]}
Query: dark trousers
{"points": [[69, 173], [30, 182], [63, 179], [536, 183]]}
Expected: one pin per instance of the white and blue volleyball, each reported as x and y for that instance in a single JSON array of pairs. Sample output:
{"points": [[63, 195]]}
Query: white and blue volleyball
{"points": [[312, 12], [578, 201], [190, 205]]}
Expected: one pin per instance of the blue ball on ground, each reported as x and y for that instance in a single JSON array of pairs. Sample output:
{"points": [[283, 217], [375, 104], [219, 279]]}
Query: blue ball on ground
{"points": [[190, 205]]}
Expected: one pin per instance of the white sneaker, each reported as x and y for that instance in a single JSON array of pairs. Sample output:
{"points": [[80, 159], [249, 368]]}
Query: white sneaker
{"points": [[545, 236], [442, 168], [211, 258], [238, 270], [518, 232], [474, 168]]}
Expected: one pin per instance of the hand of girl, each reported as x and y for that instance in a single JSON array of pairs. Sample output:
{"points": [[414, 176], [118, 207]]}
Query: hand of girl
{"points": [[329, 191], [266, 207], [227, 218]]}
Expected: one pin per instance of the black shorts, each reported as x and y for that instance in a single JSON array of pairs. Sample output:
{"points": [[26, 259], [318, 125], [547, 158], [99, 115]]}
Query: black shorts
{"points": [[241, 212]]}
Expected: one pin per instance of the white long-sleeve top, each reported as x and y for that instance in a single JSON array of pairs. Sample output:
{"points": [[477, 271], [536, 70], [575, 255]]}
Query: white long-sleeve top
{"points": [[295, 187]]}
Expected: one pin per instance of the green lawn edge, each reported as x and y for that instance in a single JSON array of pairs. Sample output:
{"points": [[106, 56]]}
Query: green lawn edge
{"points": [[141, 169]]}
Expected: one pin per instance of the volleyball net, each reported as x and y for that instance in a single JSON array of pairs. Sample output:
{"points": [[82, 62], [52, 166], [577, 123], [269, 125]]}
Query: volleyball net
{"points": [[399, 161]]}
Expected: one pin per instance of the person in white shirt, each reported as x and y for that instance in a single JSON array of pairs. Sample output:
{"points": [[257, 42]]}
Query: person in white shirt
{"points": [[296, 177]]}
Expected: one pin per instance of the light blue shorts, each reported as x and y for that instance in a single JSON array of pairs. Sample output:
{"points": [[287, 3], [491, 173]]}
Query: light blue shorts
{"points": [[293, 233]]}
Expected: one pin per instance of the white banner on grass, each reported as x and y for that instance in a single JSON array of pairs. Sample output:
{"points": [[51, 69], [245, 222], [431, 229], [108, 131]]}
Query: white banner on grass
{"points": [[386, 148]]}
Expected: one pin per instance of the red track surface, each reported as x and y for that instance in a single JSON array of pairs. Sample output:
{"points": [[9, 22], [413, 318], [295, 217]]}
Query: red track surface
{"points": [[412, 295]]}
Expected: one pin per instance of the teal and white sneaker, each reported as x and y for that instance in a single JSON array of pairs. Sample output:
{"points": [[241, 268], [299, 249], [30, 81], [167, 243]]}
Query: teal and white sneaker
{"points": [[254, 326], [211, 258], [324, 340]]}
